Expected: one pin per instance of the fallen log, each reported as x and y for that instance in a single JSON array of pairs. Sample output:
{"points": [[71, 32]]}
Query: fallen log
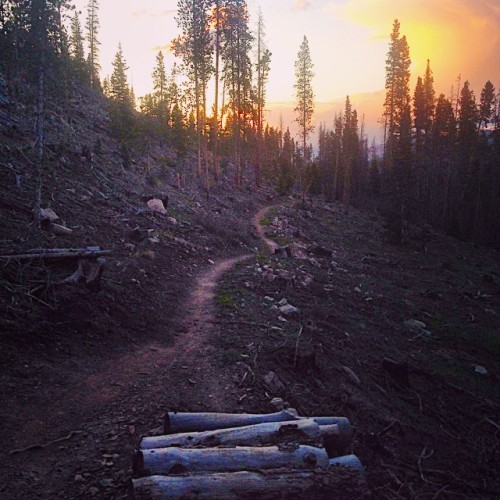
{"points": [[195, 422], [300, 431], [337, 482], [59, 253], [181, 460], [192, 422], [335, 440], [350, 461]]}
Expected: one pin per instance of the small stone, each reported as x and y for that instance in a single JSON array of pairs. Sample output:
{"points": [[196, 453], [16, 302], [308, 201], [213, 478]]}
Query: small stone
{"points": [[414, 325], [78, 478], [481, 370], [357, 289], [288, 310], [283, 302], [352, 376], [273, 382], [93, 491], [172, 221], [268, 299]]}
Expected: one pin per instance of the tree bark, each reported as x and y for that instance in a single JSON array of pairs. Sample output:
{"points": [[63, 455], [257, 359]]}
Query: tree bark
{"points": [[303, 431], [337, 482], [181, 460], [59, 253], [192, 422]]}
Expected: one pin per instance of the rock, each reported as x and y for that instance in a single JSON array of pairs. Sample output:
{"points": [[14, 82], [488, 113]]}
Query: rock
{"points": [[481, 370], [283, 302], [352, 376], [47, 214], [357, 289], [414, 325], [106, 483], [273, 382], [94, 491], [320, 251], [78, 478], [172, 221], [156, 205], [149, 254], [288, 309], [279, 404], [268, 299]]}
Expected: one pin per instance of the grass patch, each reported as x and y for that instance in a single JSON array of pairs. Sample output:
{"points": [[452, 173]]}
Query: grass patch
{"points": [[226, 300], [280, 240], [266, 221]]}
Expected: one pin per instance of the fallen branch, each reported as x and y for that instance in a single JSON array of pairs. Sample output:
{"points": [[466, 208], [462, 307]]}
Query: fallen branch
{"points": [[59, 253], [41, 446]]}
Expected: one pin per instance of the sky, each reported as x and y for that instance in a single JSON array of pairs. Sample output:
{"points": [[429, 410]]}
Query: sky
{"points": [[348, 40]]}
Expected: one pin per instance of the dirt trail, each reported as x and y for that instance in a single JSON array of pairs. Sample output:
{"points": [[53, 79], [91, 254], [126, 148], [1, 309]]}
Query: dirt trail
{"points": [[261, 230], [99, 401]]}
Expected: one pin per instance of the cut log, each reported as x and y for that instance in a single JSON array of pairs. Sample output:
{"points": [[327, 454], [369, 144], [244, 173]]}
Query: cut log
{"points": [[181, 460], [59, 253], [337, 482], [88, 273], [300, 431], [194, 422]]}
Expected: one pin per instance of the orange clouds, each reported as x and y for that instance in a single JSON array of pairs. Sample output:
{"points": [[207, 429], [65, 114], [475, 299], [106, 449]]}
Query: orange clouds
{"points": [[458, 36]]}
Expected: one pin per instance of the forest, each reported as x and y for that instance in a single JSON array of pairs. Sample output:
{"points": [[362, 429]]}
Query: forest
{"points": [[440, 157], [174, 263]]}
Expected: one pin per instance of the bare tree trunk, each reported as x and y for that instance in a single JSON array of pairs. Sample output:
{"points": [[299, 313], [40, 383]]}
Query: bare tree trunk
{"points": [[40, 132], [216, 103], [180, 460]]}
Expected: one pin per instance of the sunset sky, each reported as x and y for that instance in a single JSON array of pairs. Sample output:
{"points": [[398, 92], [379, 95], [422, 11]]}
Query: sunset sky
{"points": [[348, 41]]}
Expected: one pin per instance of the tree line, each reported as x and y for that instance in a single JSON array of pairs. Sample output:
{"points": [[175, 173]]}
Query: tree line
{"points": [[440, 159]]}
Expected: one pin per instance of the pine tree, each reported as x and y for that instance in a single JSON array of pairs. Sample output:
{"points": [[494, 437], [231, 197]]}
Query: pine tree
{"points": [[119, 90], [92, 26], [194, 47], [487, 105], [160, 85], [468, 118], [237, 73], [430, 100], [304, 92], [419, 114], [397, 101], [76, 47], [262, 69]]}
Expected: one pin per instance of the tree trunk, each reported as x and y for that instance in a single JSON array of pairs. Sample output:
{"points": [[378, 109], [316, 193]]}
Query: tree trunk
{"points": [[59, 253], [181, 460], [336, 482], [193, 422], [303, 431], [40, 132]]}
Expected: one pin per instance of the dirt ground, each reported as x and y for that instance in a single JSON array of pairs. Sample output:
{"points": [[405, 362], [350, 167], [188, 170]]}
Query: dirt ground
{"points": [[423, 397]]}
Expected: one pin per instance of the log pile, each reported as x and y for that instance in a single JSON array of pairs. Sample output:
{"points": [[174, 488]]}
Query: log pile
{"points": [[223, 455]]}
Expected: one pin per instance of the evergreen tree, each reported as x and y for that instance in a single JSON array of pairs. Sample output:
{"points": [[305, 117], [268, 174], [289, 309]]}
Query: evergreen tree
{"points": [[194, 47], [305, 102], [262, 70], [430, 100], [487, 105], [419, 116], [304, 92], [76, 47], [120, 93], [92, 26], [237, 73], [397, 101], [160, 85]]}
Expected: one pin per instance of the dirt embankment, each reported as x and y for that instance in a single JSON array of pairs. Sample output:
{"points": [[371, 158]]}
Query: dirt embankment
{"points": [[404, 341]]}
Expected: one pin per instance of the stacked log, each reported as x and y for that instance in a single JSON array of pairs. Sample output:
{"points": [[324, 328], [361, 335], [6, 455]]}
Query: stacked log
{"points": [[221, 455]]}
